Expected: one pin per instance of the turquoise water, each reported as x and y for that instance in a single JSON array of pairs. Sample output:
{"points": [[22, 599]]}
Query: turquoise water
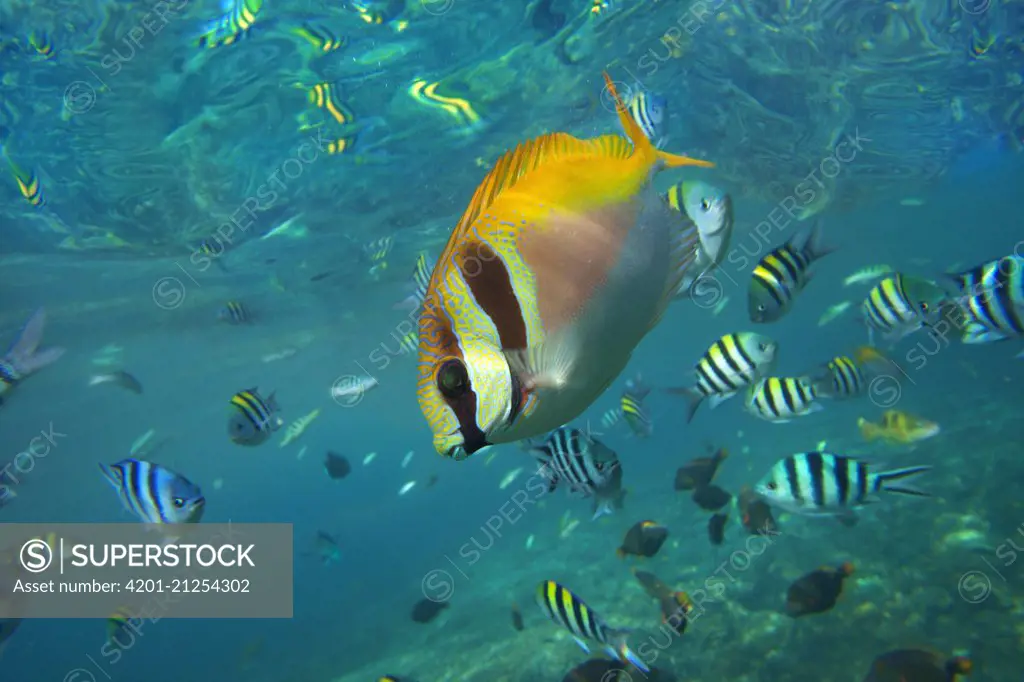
{"points": [[139, 164]]}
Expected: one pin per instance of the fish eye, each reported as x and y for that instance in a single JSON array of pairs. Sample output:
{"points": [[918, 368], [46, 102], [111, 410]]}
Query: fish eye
{"points": [[924, 306], [762, 347], [772, 486], [705, 205], [761, 307], [178, 502], [452, 379]]}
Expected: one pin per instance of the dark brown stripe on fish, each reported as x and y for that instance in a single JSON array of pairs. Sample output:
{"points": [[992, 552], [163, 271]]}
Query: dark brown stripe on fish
{"points": [[491, 284]]}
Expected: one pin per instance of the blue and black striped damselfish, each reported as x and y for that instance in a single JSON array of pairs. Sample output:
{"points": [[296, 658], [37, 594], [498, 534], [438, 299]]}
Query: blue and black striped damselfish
{"points": [[567, 610], [648, 111], [731, 363], [252, 418], [848, 376], [234, 312], [991, 300], [823, 484], [154, 493], [419, 282], [899, 305], [584, 464], [782, 274]]}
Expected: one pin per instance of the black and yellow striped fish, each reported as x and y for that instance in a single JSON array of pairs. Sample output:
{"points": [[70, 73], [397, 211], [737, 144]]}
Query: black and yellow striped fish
{"points": [[377, 251], [327, 97], [321, 38], [730, 364], [849, 377], [234, 312], [649, 111], [421, 275], [410, 343], [28, 185], [901, 304], [342, 145], [234, 25], [459, 109], [211, 249], [782, 274], [378, 12], [569, 611], [252, 418], [779, 399], [639, 421], [420, 280], [991, 301]]}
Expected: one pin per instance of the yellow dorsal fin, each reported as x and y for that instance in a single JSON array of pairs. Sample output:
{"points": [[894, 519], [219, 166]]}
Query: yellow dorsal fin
{"points": [[643, 146], [513, 165]]}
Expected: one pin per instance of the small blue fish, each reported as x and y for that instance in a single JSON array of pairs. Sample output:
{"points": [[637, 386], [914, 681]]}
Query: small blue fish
{"points": [[252, 420], [649, 111], [327, 548], [900, 305], [154, 493], [419, 283]]}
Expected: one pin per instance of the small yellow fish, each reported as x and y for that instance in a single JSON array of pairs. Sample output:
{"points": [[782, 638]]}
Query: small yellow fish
{"points": [[833, 312], [298, 427], [897, 427]]}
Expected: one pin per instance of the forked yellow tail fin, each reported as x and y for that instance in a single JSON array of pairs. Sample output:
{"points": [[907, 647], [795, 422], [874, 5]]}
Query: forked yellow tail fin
{"points": [[641, 144]]}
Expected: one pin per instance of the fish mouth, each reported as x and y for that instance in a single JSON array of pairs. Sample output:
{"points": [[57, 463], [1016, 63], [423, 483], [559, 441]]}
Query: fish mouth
{"points": [[456, 452], [468, 447]]}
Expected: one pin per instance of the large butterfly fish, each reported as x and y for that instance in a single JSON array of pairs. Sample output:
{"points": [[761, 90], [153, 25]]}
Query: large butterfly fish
{"points": [[565, 258]]}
